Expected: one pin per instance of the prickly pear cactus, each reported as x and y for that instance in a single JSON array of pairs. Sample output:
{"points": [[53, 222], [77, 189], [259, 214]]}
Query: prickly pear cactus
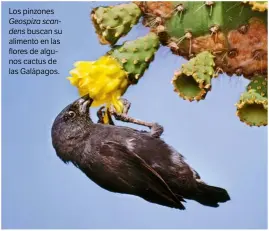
{"points": [[253, 104], [234, 33], [216, 37], [111, 23], [193, 81], [135, 56], [107, 79]]}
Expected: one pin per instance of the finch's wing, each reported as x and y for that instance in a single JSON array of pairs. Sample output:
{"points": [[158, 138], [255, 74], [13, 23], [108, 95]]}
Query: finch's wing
{"points": [[136, 175]]}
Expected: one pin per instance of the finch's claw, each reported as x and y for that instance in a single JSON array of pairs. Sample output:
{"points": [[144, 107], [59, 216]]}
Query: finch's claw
{"points": [[126, 105], [100, 114]]}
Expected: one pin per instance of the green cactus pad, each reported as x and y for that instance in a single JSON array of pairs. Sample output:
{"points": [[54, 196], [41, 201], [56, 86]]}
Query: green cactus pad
{"points": [[252, 108], [135, 56], [259, 84], [199, 17], [193, 81], [113, 22], [234, 33]]}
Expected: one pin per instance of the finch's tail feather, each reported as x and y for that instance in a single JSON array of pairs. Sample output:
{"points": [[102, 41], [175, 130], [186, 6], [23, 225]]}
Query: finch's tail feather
{"points": [[210, 195]]}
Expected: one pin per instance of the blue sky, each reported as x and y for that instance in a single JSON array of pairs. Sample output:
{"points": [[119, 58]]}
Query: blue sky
{"points": [[40, 191]]}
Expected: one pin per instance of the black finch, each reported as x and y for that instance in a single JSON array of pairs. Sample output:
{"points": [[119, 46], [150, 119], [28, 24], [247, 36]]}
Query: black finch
{"points": [[124, 160]]}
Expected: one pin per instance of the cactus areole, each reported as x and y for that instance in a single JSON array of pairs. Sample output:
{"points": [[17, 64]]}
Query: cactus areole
{"points": [[215, 37]]}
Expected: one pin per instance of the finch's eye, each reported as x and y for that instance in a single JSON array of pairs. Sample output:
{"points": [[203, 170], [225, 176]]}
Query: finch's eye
{"points": [[71, 114]]}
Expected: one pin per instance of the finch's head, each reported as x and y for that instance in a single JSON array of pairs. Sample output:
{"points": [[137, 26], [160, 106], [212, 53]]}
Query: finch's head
{"points": [[76, 112], [71, 125]]}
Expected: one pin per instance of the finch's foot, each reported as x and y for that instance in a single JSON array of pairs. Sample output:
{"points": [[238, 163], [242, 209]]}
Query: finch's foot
{"points": [[156, 130], [101, 114], [126, 106]]}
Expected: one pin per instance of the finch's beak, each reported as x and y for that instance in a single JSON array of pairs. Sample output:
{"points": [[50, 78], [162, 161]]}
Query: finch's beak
{"points": [[84, 104]]}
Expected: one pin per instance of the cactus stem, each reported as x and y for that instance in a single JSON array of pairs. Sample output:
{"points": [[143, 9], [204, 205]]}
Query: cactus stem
{"points": [[193, 81], [252, 106], [114, 18]]}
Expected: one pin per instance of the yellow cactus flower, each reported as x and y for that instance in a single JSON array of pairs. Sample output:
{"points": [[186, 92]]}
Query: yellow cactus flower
{"points": [[104, 80]]}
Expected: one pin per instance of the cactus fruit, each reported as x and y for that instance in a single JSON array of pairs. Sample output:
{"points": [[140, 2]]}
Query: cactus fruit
{"points": [[135, 56], [234, 33], [253, 104], [113, 22], [193, 81]]}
